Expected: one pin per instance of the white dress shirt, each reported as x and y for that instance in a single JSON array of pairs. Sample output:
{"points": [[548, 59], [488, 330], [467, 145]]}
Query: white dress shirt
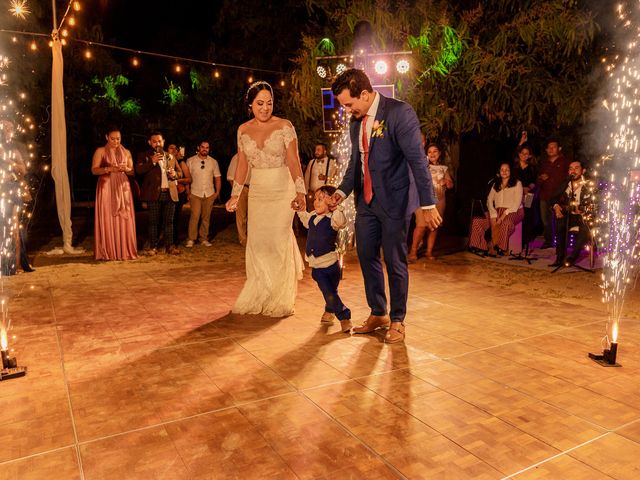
{"points": [[202, 178]]}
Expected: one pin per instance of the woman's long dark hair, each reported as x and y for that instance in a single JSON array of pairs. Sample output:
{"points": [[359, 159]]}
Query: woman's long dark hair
{"points": [[497, 184]]}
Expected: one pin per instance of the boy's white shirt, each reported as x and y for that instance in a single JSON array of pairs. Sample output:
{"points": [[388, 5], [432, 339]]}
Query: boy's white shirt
{"points": [[338, 221]]}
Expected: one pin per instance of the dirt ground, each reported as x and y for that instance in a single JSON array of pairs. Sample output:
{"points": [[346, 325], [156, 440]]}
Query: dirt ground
{"points": [[453, 263]]}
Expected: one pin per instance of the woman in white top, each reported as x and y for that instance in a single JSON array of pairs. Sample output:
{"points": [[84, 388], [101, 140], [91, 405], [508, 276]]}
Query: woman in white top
{"points": [[269, 147], [505, 211]]}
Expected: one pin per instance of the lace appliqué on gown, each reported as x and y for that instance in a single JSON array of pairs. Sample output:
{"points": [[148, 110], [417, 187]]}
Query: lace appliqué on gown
{"points": [[273, 153]]}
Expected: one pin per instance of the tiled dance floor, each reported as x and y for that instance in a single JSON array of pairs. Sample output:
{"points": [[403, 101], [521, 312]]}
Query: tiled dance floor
{"points": [[137, 370]]}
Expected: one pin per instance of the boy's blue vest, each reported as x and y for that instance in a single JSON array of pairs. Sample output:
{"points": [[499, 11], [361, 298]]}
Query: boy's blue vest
{"points": [[321, 238]]}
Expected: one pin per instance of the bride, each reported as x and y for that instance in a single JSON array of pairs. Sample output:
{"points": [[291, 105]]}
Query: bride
{"points": [[269, 147]]}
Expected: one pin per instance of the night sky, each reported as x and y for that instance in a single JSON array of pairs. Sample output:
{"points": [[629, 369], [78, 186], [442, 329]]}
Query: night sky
{"points": [[182, 28]]}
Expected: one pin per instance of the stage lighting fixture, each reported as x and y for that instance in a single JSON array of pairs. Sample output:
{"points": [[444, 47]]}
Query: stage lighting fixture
{"points": [[381, 67], [402, 66], [322, 72], [340, 68]]}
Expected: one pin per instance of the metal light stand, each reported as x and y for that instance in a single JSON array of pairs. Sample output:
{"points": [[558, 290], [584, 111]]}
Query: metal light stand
{"points": [[524, 245]]}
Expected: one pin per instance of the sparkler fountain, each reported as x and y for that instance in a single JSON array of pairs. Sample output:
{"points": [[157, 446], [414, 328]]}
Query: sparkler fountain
{"points": [[618, 223]]}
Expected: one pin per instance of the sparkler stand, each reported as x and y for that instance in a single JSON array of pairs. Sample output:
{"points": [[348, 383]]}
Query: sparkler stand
{"points": [[10, 368], [608, 357]]}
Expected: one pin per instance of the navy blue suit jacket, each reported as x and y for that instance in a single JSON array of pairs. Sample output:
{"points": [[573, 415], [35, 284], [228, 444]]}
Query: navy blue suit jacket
{"points": [[397, 162]]}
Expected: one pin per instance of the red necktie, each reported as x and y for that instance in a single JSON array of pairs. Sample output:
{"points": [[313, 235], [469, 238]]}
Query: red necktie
{"points": [[367, 187]]}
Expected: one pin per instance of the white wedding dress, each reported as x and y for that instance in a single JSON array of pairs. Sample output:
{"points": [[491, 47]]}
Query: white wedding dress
{"points": [[273, 260]]}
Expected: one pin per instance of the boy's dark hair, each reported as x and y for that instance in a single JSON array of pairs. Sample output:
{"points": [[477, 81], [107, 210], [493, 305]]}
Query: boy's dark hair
{"points": [[327, 189], [354, 80]]}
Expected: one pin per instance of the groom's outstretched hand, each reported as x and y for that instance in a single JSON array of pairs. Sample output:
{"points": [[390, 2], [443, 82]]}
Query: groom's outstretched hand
{"points": [[432, 218]]}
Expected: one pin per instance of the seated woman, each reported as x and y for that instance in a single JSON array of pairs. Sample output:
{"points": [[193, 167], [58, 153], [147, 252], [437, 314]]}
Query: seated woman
{"points": [[505, 212]]}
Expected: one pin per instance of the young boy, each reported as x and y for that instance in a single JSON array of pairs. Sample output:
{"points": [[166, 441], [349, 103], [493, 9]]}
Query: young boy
{"points": [[323, 225]]}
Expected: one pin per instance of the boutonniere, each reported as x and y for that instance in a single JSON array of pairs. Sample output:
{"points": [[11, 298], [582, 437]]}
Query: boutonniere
{"points": [[378, 129]]}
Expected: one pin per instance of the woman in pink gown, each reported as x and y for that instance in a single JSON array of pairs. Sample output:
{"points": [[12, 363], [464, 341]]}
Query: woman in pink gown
{"points": [[115, 220]]}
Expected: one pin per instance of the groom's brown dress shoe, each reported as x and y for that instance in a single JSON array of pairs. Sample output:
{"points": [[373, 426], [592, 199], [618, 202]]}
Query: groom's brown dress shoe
{"points": [[395, 333], [371, 323]]}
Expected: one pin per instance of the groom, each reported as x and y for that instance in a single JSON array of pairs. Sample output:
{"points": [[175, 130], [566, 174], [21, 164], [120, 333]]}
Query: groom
{"points": [[389, 177]]}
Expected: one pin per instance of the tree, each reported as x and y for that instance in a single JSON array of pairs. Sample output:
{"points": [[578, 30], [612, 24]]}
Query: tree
{"points": [[492, 67]]}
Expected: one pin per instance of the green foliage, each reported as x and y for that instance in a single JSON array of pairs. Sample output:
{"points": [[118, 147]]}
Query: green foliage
{"points": [[173, 94], [131, 107], [195, 79], [496, 68]]}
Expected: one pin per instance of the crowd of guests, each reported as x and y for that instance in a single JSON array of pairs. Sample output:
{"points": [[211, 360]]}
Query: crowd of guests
{"points": [[523, 192], [554, 196]]}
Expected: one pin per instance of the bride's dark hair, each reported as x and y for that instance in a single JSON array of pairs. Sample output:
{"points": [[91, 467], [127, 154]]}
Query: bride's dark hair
{"points": [[253, 91]]}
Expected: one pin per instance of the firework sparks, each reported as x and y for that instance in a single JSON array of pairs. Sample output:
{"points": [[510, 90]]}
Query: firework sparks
{"points": [[19, 8], [618, 225]]}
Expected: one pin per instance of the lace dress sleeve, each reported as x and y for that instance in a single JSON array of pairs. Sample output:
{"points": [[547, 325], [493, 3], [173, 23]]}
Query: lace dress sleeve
{"points": [[292, 158], [241, 169], [289, 135]]}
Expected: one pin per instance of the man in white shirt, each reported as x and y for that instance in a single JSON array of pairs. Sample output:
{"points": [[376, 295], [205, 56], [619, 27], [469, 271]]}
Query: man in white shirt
{"points": [[242, 209], [321, 170], [204, 172]]}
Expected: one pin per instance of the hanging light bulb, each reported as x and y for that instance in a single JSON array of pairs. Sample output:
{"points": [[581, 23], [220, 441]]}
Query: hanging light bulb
{"points": [[135, 62], [77, 6], [87, 54]]}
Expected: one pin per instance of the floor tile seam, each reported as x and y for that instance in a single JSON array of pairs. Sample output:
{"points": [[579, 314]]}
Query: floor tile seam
{"points": [[291, 384], [635, 407], [563, 452], [38, 454], [422, 421], [335, 421], [181, 419], [443, 433], [534, 400], [273, 449], [67, 388], [519, 340]]}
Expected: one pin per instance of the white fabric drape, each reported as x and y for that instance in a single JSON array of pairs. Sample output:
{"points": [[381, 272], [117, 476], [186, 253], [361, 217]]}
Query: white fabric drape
{"points": [[59, 144]]}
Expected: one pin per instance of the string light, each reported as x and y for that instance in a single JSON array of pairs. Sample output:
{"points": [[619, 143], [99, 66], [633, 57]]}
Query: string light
{"points": [[87, 54], [177, 68], [250, 79], [216, 74], [77, 6], [135, 62], [34, 45]]}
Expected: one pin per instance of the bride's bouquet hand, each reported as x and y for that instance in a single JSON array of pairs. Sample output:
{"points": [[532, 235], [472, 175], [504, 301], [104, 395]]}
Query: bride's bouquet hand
{"points": [[232, 204]]}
